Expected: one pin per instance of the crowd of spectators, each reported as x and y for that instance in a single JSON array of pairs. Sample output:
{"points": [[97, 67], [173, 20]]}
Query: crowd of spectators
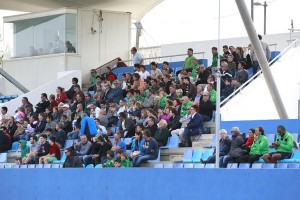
{"points": [[147, 106]]}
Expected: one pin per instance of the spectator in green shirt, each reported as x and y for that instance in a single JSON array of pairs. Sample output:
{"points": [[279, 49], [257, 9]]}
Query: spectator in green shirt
{"points": [[283, 146], [188, 62]]}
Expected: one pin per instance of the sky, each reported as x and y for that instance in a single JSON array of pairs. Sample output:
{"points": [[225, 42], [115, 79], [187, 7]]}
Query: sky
{"points": [[176, 21]]}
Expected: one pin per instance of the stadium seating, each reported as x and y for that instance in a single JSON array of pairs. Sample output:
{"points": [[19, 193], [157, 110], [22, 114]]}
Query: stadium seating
{"points": [[14, 147], [168, 165], [199, 165], [244, 166], [207, 154], [197, 155], [256, 166], [268, 166], [62, 159], [281, 165], [188, 165], [173, 142], [178, 165], [99, 166], [293, 165], [187, 156], [89, 166], [158, 165], [69, 143], [158, 158], [3, 157], [232, 165], [271, 138], [39, 166], [209, 165]]}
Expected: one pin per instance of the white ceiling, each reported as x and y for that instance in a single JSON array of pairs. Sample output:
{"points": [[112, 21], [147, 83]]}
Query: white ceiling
{"points": [[138, 8]]}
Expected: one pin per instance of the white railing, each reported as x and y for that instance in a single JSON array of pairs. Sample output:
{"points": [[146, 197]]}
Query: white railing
{"points": [[258, 73]]}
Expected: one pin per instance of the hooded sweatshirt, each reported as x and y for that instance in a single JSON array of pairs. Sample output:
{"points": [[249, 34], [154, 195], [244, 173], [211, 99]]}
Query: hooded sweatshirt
{"points": [[24, 149]]}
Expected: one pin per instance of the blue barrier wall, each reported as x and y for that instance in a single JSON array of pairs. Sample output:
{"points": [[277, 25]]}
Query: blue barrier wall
{"points": [[270, 126], [148, 183]]}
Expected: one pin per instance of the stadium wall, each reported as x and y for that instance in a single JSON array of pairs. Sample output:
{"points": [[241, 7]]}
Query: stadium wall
{"points": [[149, 184]]}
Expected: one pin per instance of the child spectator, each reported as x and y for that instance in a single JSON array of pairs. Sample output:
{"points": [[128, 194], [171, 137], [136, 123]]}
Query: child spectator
{"points": [[110, 159]]}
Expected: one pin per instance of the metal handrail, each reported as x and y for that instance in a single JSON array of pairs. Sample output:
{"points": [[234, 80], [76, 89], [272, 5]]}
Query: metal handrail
{"points": [[257, 74], [169, 56]]}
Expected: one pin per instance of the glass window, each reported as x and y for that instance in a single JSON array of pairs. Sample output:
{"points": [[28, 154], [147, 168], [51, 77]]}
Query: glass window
{"points": [[42, 36]]}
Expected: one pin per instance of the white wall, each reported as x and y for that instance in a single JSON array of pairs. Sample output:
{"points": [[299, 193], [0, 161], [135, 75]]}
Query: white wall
{"points": [[205, 46], [111, 39], [255, 101], [33, 72], [63, 79]]}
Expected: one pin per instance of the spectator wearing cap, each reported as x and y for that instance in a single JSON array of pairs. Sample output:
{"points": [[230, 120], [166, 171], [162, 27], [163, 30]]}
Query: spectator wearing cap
{"points": [[188, 88], [93, 79], [188, 62], [242, 75], [136, 57], [227, 90], [206, 107], [155, 72], [194, 126], [66, 110]]}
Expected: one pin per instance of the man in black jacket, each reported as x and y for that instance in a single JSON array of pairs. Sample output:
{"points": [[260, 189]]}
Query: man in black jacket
{"points": [[126, 126], [72, 160]]}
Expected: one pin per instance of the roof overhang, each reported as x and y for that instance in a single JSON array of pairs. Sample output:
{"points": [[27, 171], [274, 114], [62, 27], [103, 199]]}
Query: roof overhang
{"points": [[138, 8]]}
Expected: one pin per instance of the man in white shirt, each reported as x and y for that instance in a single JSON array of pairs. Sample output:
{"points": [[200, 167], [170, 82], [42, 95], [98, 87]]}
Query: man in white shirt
{"points": [[136, 57], [4, 117], [143, 73], [95, 111]]}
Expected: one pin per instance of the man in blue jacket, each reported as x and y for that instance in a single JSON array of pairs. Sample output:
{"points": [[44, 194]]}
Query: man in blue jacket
{"points": [[194, 127], [88, 126]]}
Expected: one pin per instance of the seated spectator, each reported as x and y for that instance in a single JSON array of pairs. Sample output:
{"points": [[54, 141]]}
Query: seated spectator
{"points": [[53, 103], [5, 143], [72, 160], [109, 75], [117, 163], [283, 146], [118, 143], [227, 90], [43, 104], [19, 133], [109, 163], [231, 65], [163, 114], [61, 95], [188, 88], [66, 123], [20, 114], [198, 96], [162, 134], [138, 82], [143, 73], [125, 162], [88, 101], [26, 103], [43, 150], [259, 147], [166, 66], [100, 129], [194, 126], [224, 146], [34, 148], [11, 126], [54, 153], [152, 126], [154, 86], [60, 135], [242, 75], [75, 133], [186, 103], [212, 93], [70, 93], [206, 107], [83, 147], [98, 152], [250, 139], [118, 93], [155, 72], [126, 128], [50, 123], [173, 122], [74, 106], [235, 148], [138, 142], [143, 119], [225, 73]]}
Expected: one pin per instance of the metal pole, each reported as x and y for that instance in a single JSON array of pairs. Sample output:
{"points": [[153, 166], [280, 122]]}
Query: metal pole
{"points": [[13, 81], [252, 10], [261, 59], [139, 27], [265, 17], [218, 94]]}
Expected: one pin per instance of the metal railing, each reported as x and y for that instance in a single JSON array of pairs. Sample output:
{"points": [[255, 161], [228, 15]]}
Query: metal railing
{"points": [[257, 74], [169, 56]]}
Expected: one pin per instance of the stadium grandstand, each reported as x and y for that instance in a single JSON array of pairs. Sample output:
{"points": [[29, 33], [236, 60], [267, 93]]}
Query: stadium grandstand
{"points": [[184, 124]]}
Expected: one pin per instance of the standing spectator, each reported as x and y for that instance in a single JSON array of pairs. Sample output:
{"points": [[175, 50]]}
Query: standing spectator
{"points": [[283, 146], [88, 126], [232, 66], [43, 104], [188, 62], [253, 56], [93, 80], [233, 53], [227, 90], [83, 147], [202, 75], [225, 52], [242, 76], [26, 103], [136, 57], [212, 93], [214, 63], [54, 153], [70, 93], [60, 135], [150, 149]]}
